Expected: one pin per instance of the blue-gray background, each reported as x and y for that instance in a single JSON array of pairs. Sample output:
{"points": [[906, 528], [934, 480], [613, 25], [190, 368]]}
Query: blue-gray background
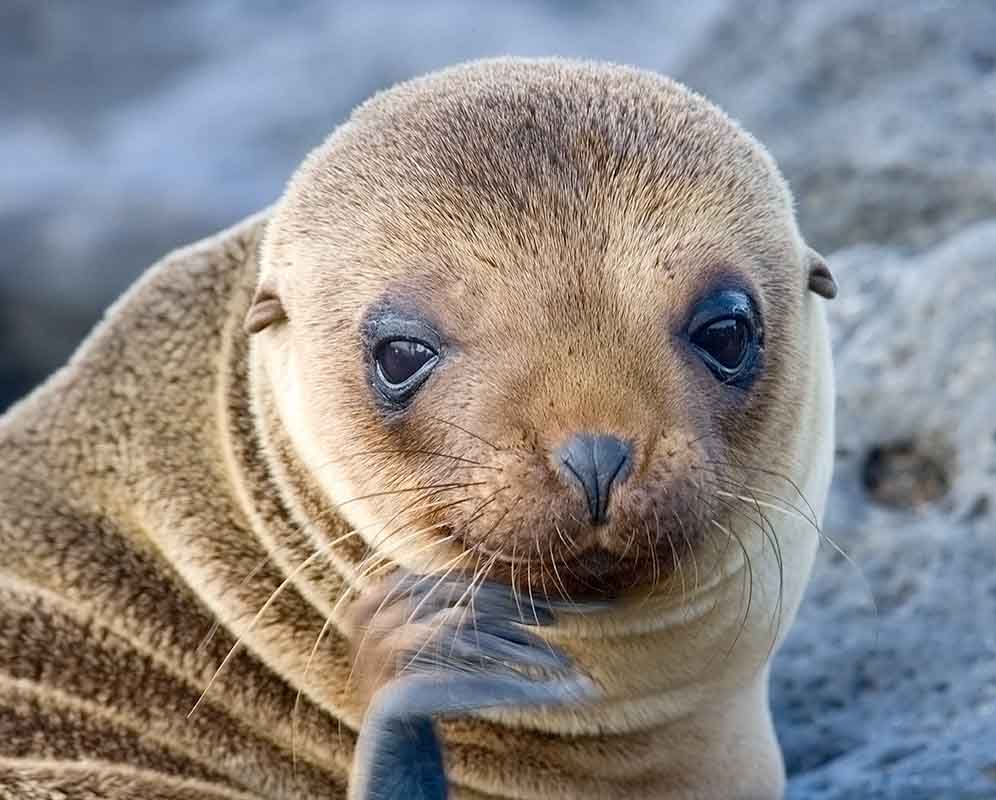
{"points": [[128, 128]]}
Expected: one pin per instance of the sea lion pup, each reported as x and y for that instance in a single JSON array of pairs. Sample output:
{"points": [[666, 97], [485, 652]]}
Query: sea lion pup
{"points": [[526, 375]]}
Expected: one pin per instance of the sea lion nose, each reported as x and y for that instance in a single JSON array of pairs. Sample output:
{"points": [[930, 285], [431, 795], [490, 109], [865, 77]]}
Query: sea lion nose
{"points": [[597, 463]]}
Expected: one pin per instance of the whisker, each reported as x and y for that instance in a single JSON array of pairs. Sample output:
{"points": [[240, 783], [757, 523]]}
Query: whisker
{"points": [[212, 631], [542, 571], [655, 562], [626, 549], [441, 579], [781, 476], [787, 506], [546, 592], [563, 538], [691, 551], [761, 503], [288, 579], [810, 518], [321, 636], [363, 573], [515, 593], [473, 435], [391, 492], [418, 452], [370, 573], [679, 567], [570, 546], [529, 582], [473, 516], [768, 532], [556, 574], [471, 609], [452, 564], [270, 600], [749, 578], [439, 625], [242, 585], [794, 512], [477, 581], [413, 507]]}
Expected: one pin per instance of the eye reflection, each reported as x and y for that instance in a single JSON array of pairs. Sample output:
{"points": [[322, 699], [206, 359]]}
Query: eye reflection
{"points": [[725, 334]]}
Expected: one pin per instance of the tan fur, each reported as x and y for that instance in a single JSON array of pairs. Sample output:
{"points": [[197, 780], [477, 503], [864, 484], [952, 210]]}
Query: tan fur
{"points": [[171, 477]]}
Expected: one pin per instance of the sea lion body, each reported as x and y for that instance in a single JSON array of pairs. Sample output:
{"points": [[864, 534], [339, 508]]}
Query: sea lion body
{"points": [[217, 454]]}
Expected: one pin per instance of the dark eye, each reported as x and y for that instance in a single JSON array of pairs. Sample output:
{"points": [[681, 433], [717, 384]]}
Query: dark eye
{"points": [[726, 341], [402, 366], [724, 332]]}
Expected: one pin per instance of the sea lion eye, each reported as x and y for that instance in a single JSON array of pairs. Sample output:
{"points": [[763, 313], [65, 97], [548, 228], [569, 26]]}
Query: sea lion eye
{"points": [[724, 333], [725, 341], [402, 366]]}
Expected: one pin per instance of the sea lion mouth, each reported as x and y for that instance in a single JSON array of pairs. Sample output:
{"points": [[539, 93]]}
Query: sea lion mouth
{"points": [[558, 573]]}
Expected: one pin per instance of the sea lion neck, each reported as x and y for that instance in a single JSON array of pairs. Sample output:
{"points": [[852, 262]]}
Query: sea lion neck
{"points": [[286, 514]]}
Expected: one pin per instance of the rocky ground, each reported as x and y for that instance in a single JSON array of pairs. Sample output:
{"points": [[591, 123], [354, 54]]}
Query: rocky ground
{"points": [[128, 129]]}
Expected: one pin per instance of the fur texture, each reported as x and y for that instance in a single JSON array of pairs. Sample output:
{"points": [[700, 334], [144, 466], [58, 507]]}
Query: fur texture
{"points": [[173, 481]]}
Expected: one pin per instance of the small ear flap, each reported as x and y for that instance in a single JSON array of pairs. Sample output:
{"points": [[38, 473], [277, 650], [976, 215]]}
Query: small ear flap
{"points": [[266, 307], [820, 278]]}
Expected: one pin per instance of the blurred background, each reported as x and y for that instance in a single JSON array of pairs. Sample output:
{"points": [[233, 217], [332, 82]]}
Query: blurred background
{"points": [[128, 128]]}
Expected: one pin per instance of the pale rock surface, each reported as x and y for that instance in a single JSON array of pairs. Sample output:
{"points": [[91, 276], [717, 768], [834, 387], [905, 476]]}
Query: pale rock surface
{"points": [[896, 698]]}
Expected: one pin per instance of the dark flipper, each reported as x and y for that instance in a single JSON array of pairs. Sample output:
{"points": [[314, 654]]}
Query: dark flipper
{"points": [[488, 662], [398, 758]]}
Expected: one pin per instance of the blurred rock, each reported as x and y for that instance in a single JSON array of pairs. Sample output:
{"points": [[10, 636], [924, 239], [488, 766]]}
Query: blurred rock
{"points": [[896, 698], [882, 115]]}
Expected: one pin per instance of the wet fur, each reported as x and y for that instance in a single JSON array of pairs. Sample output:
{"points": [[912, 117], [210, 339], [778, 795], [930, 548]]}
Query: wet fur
{"points": [[167, 483]]}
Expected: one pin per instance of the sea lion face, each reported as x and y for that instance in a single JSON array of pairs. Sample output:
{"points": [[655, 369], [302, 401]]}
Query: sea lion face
{"points": [[541, 323]]}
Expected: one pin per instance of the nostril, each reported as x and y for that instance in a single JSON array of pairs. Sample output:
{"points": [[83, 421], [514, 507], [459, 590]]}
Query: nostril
{"points": [[612, 458], [597, 463]]}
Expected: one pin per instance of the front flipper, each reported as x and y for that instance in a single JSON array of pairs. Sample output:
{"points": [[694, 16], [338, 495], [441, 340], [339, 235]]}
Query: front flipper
{"points": [[445, 664], [398, 757]]}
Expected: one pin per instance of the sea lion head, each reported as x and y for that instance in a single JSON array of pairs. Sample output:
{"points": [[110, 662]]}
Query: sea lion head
{"points": [[550, 321]]}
